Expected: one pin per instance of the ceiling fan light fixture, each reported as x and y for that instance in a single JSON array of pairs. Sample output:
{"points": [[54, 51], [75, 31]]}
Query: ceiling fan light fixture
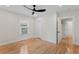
{"points": [[35, 15]]}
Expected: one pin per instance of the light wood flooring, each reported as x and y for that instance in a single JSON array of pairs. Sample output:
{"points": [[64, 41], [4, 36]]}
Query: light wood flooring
{"points": [[39, 46]]}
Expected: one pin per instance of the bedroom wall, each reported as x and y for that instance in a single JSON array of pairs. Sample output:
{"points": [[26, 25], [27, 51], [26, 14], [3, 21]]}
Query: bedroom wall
{"points": [[46, 27], [9, 27]]}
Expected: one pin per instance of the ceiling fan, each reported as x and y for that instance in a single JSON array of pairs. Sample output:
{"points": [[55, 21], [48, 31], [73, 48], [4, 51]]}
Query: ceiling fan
{"points": [[34, 9]]}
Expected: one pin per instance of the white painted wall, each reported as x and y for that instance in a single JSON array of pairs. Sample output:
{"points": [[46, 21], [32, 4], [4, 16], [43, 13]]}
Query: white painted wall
{"points": [[46, 27], [75, 15], [9, 27]]}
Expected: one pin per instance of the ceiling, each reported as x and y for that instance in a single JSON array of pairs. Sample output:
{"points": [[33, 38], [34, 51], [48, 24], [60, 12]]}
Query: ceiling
{"points": [[49, 9]]}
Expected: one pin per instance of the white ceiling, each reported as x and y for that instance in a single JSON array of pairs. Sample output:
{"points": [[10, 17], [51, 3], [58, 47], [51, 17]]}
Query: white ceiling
{"points": [[49, 9]]}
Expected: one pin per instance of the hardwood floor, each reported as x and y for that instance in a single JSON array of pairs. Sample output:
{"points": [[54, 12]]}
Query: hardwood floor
{"points": [[65, 45], [33, 46], [39, 46], [76, 49]]}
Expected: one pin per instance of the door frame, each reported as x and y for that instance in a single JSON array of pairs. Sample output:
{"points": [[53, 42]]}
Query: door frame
{"points": [[61, 18]]}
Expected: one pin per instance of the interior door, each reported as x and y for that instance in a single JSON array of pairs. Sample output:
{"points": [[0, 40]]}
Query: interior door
{"points": [[59, 30]]}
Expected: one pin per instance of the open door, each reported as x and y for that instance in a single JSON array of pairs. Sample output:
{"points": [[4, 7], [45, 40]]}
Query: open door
{"points": [[59, 30], [65, 28]]}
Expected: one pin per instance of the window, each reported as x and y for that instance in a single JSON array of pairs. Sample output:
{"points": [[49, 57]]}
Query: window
{"points": [[23, 27]]}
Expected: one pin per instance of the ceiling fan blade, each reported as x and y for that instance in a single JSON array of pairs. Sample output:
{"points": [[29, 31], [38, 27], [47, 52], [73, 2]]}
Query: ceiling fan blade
{"points": [[28, 8], [41, 10]]}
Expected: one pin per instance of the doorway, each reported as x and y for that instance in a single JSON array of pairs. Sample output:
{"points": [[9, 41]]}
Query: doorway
{"points": [[67, 27]]}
